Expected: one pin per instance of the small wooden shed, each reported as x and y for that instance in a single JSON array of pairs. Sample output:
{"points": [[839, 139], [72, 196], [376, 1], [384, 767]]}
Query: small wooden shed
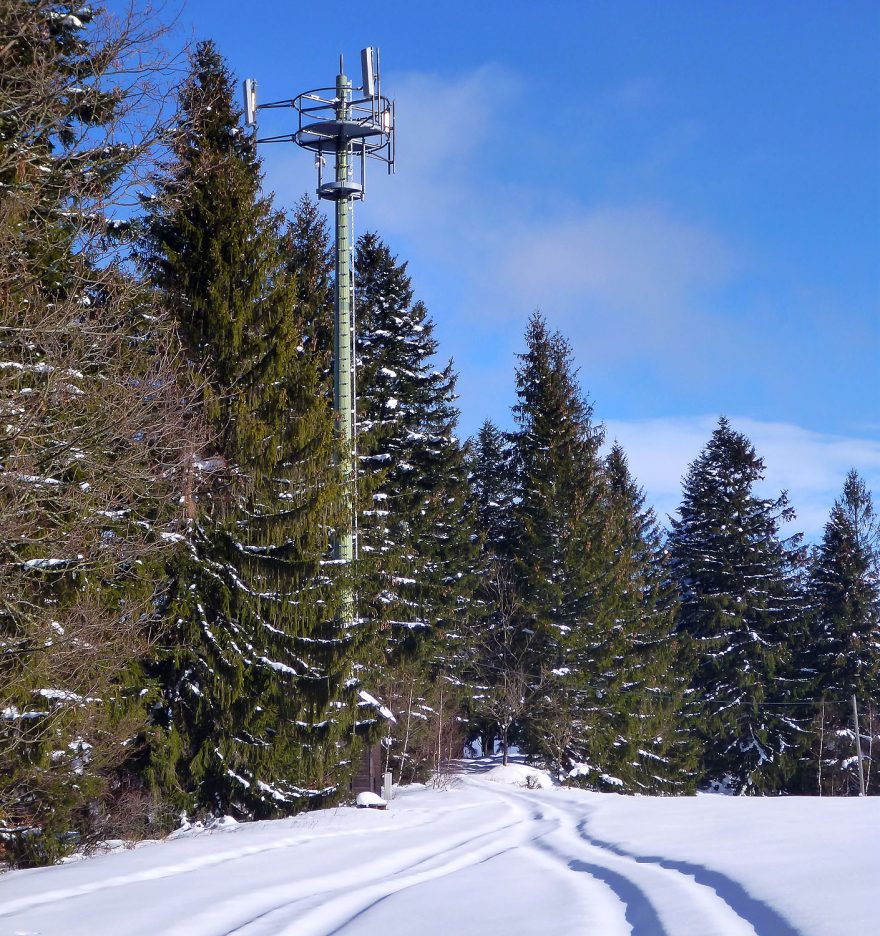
{"points": [[368, 779]]}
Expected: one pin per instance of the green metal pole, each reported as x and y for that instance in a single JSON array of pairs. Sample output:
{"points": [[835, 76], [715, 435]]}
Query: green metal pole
{"points": [[342, 384]]}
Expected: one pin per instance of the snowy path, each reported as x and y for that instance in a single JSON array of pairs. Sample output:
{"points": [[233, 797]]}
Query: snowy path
{"points": [[483, 858]]}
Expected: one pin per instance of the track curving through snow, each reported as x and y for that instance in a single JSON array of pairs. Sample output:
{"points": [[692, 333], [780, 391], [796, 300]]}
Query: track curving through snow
{"points": [[661, 897], [480, 858], [617, 892]]}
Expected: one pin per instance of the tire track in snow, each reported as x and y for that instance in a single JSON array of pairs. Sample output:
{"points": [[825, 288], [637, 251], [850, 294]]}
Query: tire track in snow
{"points": [[277, 917], [254, 912], [334, 917], [763, 918], [174, 869], [659, 901], [637, 909], [347, 907], [619, 891]]}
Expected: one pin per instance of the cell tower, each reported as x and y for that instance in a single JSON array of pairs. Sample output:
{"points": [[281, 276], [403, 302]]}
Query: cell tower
{"points": [[351, 124]]}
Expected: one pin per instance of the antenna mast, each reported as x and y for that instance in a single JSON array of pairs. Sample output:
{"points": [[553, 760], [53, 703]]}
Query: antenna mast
{"points": [[351, 124]]}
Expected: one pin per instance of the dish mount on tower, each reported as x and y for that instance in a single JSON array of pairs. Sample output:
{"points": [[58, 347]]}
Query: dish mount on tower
{"points": [[332, 121]]}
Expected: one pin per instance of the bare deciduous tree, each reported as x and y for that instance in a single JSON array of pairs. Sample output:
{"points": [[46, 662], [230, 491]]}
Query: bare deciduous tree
{"points": [[98, 437], [502, 666]]}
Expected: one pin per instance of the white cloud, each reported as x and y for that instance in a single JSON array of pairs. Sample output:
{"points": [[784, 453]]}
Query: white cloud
{"points": [[811, 466], [490, 238], [445, 128], [639, 260], [635, 93], [528, 241]]}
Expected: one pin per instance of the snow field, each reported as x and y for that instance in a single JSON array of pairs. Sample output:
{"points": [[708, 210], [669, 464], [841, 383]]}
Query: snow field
{"points": [[486, 856]]}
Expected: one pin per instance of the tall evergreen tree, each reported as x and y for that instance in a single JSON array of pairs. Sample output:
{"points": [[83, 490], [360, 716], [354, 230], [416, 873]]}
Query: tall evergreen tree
{"points": [[653, 751], [407, 419], [256, 700], [572, 648], [414, 536], [741, 607], [842, 656], [562, 558], [310, 260], [491, 650]]}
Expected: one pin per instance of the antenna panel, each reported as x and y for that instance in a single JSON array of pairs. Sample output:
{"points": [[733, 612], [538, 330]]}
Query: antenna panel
{"points": [[368, 71], [250, 101]]}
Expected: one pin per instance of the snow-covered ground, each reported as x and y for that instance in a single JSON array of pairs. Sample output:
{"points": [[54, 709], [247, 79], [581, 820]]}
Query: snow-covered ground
{"points": [[487, 855]]}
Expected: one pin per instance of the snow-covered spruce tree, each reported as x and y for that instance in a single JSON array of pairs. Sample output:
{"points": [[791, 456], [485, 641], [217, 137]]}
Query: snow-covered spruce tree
{"points": [[842, 655], [741, 605], [563, 562], [254, 707], [94, 438], [492, 636], [415, 538], [653, 752]]}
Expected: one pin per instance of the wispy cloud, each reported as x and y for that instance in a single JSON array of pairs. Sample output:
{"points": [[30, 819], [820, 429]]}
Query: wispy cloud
{"points": [[635, 93], [620, 281], [438, 201], [637, 259], [487, 246]]}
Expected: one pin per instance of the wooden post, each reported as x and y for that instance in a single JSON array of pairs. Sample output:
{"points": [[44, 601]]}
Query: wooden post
{"points": [[439, 730], [858, 746]]}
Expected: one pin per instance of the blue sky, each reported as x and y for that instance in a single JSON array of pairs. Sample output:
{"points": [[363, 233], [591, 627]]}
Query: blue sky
{"points": [[689, 191]]}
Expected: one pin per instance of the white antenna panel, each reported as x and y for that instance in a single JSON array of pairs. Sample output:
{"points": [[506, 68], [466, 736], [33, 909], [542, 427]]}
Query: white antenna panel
{"points": [[250, 101], [368, 71]]}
